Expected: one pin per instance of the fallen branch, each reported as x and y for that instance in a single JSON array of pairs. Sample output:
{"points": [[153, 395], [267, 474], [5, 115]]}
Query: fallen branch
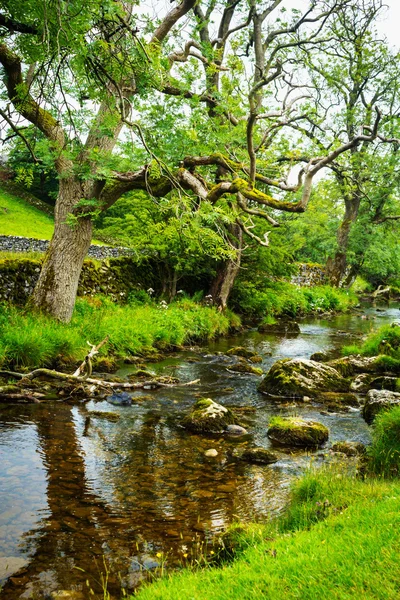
{"points": [[87, 363]]}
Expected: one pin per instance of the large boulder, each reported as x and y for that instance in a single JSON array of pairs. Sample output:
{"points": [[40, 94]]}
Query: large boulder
{"points": [[352, 365], [208, 416], [300, 377], [292, 431], [378, 400]]}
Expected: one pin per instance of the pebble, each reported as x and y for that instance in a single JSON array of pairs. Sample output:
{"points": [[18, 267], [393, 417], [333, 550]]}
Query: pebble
{"points": [[211, 452]]}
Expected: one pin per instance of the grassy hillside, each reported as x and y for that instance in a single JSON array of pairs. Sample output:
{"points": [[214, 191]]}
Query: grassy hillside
{"points": [[19, 217]]}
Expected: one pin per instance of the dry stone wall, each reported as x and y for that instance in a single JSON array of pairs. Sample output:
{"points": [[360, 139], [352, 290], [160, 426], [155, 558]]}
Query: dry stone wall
{"points": [[309, 275], [13, 243]]}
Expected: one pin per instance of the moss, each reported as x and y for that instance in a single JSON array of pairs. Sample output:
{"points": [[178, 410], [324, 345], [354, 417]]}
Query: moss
{"points": [[292, 431], [108, 416], [241, 351], [349, 448], [245, 368], [338, 401], [208, 417]]}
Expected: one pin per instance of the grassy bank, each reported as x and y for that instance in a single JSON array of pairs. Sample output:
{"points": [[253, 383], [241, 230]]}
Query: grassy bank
{"points": [[283, 299], [30, 340], [385, 344], [339, 539]]}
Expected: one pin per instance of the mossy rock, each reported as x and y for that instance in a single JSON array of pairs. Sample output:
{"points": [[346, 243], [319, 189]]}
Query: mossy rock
{"points": [[292, 431], [349, 448], [241, 351], [297, 378], [106, 364], [338, 401], [246, 368], [208, 416], [324, 356], [142, 373], [255, 359], [281, 326], [260, 456], [378, 401], [353, 365]]}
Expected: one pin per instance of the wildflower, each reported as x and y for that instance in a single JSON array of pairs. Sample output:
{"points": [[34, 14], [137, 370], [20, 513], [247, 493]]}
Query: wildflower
{"points": [[150, 291], [159, 554]]}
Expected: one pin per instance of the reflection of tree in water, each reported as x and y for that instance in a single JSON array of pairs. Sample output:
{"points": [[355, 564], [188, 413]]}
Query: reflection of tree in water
{"points": [[76, 530]]}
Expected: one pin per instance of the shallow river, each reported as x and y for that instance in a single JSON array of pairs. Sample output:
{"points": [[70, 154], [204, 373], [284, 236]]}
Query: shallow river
{"points": [[80, 498]]}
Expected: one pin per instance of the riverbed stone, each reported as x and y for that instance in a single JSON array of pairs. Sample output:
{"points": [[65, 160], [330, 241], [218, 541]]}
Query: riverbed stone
{"points": [[242, 367], [121, 399], [349, 448], [255, 455], [10, 565], [338, 401], [297, 378], [236, 430], [208, 416], [211, 453], [377, 401], [280, 326], [293, 431], [352, 365], [360, 384], [241, 351]]}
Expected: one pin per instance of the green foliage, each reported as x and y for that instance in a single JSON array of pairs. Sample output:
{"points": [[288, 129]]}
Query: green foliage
{"points": [[384, 453], [30, 339], [284, 299], [385, 341]]}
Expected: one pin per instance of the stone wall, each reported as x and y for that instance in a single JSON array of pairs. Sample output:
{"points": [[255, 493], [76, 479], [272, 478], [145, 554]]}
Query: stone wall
{"points": [[309, 275], [114, 277], [13, 243]]}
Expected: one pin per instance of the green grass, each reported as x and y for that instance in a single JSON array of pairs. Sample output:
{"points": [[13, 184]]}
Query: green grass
{"points": [[30, 340], [283, 299], [384, 454], [339, 539], [385, 341], [18, 217]]}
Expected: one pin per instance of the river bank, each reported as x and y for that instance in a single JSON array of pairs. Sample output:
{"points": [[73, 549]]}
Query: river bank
{"points": [[142, 326], [77, 487]]}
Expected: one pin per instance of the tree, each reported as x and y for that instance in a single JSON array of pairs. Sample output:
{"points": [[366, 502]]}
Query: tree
{"points": [[357, 75], [63, 61]]}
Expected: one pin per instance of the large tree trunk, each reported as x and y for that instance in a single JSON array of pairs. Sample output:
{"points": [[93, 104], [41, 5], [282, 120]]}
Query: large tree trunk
{"points": [[56, 289], [227, 271], [337, 266]]}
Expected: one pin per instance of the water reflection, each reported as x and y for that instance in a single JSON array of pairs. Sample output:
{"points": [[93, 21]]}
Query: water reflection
{"points": [[74, 489]]}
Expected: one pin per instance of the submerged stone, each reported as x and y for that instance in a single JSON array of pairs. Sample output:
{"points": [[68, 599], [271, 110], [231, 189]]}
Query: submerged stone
{"points": [[236, 430], [121, 399], [338, 401], [208, 416], [281, 326], [292, 431], [301, 377], [349, 448], [241, 351], [211, 453], [255, 455], [377, 401], [243, 367]]}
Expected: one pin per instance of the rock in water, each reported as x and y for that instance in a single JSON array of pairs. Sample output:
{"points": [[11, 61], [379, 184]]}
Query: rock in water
{"points": [[241, 351], [236, 430], [255, 455], [211, 453], [121, 399], [291, 431], [281, 326], [300, 377], [208, 416], [349, 448], [378, 400]]}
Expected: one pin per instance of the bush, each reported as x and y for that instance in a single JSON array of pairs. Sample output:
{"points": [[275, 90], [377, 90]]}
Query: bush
{"points": [[384, 453], [385, 341]]}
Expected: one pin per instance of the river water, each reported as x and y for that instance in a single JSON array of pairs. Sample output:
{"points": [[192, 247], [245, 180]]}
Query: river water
{"points": [[80, 498]]}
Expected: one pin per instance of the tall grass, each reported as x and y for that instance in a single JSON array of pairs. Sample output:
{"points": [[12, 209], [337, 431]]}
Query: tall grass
{"points": [[384, 453], [30, 339], [280, 299]]}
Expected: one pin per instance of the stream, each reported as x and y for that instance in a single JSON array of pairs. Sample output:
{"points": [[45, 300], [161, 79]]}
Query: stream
{"points": [[82, 500]]}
